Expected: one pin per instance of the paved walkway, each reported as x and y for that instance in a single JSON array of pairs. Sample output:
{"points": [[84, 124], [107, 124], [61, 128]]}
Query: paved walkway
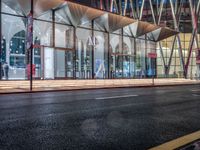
{"points": [[48, 85]]}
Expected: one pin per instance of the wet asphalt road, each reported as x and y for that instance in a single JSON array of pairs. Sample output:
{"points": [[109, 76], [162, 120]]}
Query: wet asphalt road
{"points": [[109, 119]]}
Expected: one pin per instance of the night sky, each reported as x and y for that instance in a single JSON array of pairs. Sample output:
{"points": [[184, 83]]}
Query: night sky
{"points": [[86, 2]]}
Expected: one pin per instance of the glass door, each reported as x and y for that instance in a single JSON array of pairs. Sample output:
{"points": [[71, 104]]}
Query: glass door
{"points": [[60, 71], [69, 64], [64, 64]]}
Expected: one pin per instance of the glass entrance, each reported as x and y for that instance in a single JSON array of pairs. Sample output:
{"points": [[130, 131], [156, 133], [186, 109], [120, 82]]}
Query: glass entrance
{"points": [[151, 67], [64, 64], [69, 64]]}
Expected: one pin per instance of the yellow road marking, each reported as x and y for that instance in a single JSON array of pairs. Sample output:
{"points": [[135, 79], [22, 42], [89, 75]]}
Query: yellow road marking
{"points": [[171, 145]]}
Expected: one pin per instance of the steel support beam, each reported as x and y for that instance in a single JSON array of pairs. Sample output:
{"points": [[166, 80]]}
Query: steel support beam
{"points": [[125, 7], [135, 15], [194, 34], [182, 62], [141, 10], [116, 7], [153, 14], [93, 49], [109, 53], [120, 7], [135, 56], [31, 46], [174, 39], [171, 55], [160, 11], [137, 9], [160, 44], [111, 6], [101, 4]]}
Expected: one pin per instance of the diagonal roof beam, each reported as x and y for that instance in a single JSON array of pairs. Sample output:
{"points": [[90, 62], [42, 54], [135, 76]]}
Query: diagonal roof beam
{"points": [[112, 22], [79, 14], [40, 6], [140, 28], [161, 34]]}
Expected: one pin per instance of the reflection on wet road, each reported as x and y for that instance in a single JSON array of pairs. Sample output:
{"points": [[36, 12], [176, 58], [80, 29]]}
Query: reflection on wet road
{"points": [[124, 118]]}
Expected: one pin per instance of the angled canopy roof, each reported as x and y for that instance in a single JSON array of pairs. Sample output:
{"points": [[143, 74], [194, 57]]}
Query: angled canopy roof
{"points": [[139, 28], [161, 34], [40, 6], [112, 22], [15, 5], [78, 14]]}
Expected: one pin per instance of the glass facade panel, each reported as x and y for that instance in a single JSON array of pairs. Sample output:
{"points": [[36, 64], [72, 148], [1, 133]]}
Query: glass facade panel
{"points": [[46, 16], [13, 45], [11, 7], [128, 57], [101, 55], [64, 36], [116, 59], [85, 42], [140, 59], [43, 31]]}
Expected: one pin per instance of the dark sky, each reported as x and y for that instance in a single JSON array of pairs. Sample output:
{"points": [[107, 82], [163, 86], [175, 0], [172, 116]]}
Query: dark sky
{"points": [[86, 2]]}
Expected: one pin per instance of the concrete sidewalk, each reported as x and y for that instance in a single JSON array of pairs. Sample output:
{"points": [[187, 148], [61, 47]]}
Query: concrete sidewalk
{"points": [[49, 85]]}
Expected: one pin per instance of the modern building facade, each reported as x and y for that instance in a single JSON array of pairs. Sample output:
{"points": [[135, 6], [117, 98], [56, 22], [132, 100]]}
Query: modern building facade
{"points": [[57, 39], [178, 54]]}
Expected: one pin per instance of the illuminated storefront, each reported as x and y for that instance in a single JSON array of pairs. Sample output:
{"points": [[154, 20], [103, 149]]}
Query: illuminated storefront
{"points": [[177, 56], [72, 41]]}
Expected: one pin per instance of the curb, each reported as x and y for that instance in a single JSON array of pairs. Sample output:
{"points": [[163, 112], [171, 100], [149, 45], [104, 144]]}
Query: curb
{"points": [[98, 88]]}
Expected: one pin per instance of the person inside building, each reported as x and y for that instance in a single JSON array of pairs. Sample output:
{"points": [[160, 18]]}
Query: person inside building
{"points": [[2, 72], [6, 70]]}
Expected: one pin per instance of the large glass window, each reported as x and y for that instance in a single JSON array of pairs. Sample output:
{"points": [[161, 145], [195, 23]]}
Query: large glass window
{"points": [[128, 57], [42, 40], [85, 42], [13, 46], [140, 61], [116, 56], [12, 7], [101, 55], [64, 64], [64, 36], [43, 31], [151, 62]]}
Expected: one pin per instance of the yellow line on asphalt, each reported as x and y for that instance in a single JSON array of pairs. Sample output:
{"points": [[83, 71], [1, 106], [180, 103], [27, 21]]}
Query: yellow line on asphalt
{"points": [[171, 145]]}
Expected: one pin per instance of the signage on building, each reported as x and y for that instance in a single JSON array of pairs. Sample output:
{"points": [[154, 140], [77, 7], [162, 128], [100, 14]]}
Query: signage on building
{"points": [[152, 55], [29, 31], [91, 41]]}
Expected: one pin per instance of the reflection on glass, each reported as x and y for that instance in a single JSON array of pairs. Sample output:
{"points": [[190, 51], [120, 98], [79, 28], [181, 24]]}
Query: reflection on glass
{"points": [[101, 55], [42, 30], [84, 54], [64, 36], [13, 46], [116, 57]]}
